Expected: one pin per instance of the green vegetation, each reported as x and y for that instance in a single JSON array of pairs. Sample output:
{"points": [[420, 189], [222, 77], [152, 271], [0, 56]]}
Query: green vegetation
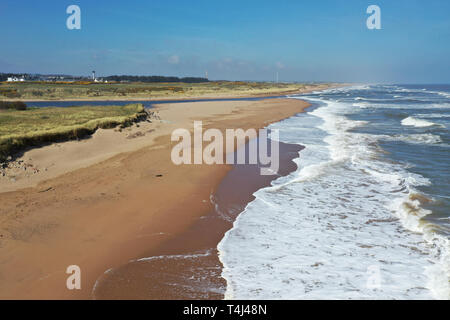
{"points": [[9, 93], [137, 90], [118, 78], [20, 129]]}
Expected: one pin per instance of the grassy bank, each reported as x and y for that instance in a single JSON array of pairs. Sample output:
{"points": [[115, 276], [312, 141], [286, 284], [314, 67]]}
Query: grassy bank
{"points": [[137, 90], [20, 129]]}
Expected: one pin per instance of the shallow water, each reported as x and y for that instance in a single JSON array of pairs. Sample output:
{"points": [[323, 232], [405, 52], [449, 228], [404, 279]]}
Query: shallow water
{"points": [[146, 103]]}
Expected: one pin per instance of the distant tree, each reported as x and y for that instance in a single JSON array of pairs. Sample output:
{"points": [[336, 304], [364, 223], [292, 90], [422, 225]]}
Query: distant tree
{"points": [[17, 105]]}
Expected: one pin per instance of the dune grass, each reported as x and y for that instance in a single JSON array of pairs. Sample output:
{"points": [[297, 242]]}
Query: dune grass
{"points": [[20, 129], [136, 90]]}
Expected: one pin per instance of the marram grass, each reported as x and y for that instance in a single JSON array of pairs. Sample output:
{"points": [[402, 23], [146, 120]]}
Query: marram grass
{"points": [[37, 126], [137, 90]]}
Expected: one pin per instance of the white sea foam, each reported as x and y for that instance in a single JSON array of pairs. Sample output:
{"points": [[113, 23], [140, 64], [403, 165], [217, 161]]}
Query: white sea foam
{"points": [[433, 115], [176, 256], [362, 105], [419, 123], [441, 93], [408, 90], [318, 232], [425, 138], [429, 106]]}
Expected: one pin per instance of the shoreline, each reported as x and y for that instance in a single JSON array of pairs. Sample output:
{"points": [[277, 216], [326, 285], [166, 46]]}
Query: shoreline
{"points": [[107, 213], [193, 251]]}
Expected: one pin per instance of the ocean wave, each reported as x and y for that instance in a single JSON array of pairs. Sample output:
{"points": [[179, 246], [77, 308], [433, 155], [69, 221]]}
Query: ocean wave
{"points": [[409, 209], [409, 90], [419, 123], [433, 115], [380, 100], [441, 93], [391, 104], [362, 105], [426, 138], [318, 229], [426, 106]]}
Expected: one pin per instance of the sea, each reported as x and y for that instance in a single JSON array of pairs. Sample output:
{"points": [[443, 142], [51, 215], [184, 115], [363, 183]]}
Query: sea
{"points": [[366, 215]]}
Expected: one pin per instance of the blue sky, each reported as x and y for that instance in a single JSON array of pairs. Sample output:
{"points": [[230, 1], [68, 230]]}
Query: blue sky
{"points": [[233, 40]]}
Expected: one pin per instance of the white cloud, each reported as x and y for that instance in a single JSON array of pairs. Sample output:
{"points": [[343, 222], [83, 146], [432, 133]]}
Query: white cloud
{"points": [[174, 59], [279, 65]]}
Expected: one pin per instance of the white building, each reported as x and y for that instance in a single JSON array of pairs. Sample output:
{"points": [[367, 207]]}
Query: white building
{"points": [[15, 79]]}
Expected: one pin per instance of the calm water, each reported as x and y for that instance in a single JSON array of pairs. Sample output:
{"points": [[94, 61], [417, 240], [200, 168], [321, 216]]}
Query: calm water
{"points": [[366, 215], [146, 103]]}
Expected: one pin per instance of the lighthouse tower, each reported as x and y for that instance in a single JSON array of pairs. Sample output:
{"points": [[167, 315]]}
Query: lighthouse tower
{"points": [[93, 75]]}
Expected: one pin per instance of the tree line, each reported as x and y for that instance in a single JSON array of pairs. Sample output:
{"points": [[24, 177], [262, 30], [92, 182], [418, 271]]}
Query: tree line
{"points": [[155, 79], [17, 105], [128, 78]]}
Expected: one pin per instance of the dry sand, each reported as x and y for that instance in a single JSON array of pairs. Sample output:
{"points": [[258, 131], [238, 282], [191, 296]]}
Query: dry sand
{"points": [[102, 202]]}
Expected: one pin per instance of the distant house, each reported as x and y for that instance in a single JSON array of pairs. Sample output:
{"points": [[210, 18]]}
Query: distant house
{"points": [[100, 80], [15, 79]]}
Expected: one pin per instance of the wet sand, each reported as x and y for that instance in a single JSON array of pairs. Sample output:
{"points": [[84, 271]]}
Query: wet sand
{"points": [[187, 266], [101, 213]]}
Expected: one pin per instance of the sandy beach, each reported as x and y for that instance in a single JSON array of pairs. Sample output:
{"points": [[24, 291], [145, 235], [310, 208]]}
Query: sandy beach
{"points": [[224, 159], [190, 258], [101, 202]]}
